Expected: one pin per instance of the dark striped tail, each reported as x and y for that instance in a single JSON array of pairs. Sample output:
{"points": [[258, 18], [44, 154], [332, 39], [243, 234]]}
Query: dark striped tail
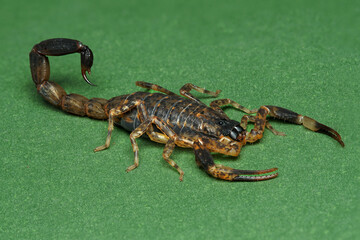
{"points": [[53, 92]]}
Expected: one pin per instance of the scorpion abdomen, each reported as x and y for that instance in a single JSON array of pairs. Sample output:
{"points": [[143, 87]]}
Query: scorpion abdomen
{"points": [[174, 110]]}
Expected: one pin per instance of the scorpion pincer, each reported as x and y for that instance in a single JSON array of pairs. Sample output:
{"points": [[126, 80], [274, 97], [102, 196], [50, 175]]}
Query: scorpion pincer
{"points": [[166, 117]]}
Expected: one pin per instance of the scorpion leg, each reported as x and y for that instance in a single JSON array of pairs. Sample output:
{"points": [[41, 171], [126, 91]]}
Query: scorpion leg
{"points": [[154, 87], [112, 113], [185, 91], [110, 129], [167, 137], [216, 105], [157, 137], [248, 118], [205, 160], [138, 132], [260, 122], [169, 147]]}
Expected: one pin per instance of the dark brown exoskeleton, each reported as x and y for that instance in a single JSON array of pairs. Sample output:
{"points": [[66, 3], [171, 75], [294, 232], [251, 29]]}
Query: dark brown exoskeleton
{"points": [[166, 117]]}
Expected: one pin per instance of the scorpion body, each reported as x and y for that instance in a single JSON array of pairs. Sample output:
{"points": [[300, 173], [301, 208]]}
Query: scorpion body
{"points": [[166, 117]]}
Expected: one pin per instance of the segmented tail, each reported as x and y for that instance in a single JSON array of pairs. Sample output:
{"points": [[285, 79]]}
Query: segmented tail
{"points": [[53, 92]]}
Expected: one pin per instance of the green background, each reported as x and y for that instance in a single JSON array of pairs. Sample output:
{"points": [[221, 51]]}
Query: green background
{"points": [[302, 55]]}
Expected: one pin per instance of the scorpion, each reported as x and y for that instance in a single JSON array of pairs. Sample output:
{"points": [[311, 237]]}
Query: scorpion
{"points": [[166, 117]]}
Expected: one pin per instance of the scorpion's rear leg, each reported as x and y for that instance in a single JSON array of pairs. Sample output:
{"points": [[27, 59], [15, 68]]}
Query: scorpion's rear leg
{"points": [[154, 87], [113, 113], [185, 91], [167, 136], [136, 133], [205, 160], [169, 147]]}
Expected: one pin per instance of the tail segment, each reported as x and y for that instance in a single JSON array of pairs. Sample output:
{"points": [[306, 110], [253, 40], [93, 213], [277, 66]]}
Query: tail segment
{"points": [[53, 92]]}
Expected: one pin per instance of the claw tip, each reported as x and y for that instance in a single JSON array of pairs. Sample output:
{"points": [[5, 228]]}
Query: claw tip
{"points": [[83, 72]]}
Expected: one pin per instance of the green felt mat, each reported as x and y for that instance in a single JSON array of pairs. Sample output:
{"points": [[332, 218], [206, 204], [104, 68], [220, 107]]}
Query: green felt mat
{"points": [[300, 55]]}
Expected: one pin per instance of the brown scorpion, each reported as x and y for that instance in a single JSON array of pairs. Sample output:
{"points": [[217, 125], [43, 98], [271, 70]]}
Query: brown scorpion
{"points": [[166, 117]]}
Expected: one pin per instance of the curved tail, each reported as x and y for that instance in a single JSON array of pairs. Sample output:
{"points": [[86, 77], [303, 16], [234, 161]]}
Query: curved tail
{"points": [[53, 92]]}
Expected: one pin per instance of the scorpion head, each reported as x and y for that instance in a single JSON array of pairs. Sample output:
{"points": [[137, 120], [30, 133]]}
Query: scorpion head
{"points": [[217, 125], [232, 129]]}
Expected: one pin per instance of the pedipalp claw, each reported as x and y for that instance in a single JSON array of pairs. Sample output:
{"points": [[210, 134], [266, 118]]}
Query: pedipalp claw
{"points": [[254, 175], [205, 160], [309, 123], [321, 128], [331, 132]]}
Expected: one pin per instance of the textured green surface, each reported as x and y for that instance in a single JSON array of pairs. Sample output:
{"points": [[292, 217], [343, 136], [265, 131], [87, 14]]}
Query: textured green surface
{"points": [[300, 55]]}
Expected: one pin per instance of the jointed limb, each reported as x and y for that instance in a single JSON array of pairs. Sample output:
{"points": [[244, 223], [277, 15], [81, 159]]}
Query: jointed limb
{"points": [[249, 118], [169, 147], [205, 160], [154, 87], [217, 104], [307, 122], [185, 91], [113, 113], [170, 144], [287, 115]]}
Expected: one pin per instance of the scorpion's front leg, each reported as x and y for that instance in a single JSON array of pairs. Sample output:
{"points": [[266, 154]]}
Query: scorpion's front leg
{"points": [[205, 160], [249, 118], [217, 104]]}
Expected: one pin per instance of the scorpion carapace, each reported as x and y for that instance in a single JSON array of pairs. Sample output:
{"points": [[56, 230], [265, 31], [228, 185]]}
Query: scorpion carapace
{"points": [[166, 117]]}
